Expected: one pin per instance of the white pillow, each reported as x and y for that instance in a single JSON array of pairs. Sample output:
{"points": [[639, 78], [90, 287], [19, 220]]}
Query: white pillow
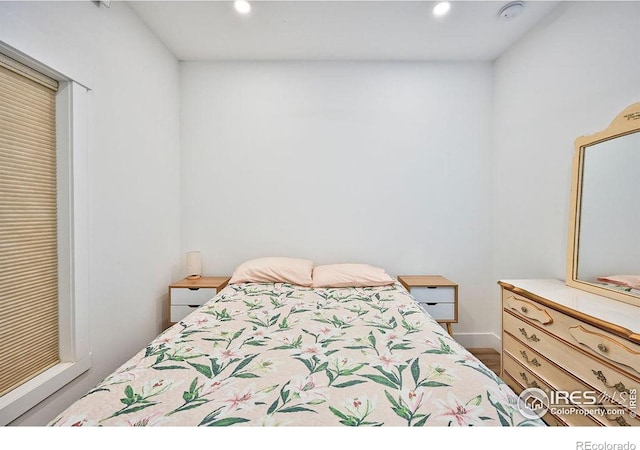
{"points": [[350, 275], [274, 269]]}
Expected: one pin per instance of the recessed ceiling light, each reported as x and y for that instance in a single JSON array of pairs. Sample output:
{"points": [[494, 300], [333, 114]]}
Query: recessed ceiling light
{"points": [[242, 6], [441, 9]]}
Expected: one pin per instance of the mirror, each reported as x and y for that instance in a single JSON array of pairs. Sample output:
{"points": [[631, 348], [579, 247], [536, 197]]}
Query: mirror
{"points": [[604, 226]]}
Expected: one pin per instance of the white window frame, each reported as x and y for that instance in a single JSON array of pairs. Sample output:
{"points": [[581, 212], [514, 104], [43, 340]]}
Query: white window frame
{"points": [[73, 245]]}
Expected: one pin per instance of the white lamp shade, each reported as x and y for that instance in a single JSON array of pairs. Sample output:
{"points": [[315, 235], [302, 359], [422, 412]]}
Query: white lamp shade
{"points": [[194, 265]]}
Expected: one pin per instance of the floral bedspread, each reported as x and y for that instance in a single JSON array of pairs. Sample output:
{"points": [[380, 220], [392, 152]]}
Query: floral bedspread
{"points": [[618, 287], [277, 354]]}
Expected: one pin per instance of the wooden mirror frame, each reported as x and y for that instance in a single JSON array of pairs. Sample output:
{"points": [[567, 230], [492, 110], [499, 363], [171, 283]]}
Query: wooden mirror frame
{"points": [[627, 122]]}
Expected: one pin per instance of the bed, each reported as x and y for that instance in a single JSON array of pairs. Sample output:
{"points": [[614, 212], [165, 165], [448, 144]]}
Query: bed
{"points": [[268, 354], [629, 284]]}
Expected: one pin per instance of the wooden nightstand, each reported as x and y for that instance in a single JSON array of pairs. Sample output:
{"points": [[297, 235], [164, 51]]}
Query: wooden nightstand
{"points": [[437, 295], [185, 296]]}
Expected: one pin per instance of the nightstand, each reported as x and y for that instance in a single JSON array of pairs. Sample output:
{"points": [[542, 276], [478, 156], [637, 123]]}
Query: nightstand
{"points": [[185, 296], [436, 295]]}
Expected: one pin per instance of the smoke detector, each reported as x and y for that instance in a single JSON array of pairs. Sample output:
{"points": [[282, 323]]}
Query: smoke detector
{"points": [[511, 10]]}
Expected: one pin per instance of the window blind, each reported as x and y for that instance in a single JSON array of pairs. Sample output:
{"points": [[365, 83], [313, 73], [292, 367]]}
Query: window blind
{"points": [[28, 224]]}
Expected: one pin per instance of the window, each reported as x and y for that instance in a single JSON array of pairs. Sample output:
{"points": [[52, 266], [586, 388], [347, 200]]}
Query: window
{"points": [[44, 333], [28, 224]]}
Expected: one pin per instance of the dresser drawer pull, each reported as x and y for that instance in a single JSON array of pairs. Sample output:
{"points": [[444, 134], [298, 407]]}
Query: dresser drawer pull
{"points": [[618, 386], [618, 419], [529, 310], [533, 337], [602, 348], [607, 347], [533, 362], [526, 380]]}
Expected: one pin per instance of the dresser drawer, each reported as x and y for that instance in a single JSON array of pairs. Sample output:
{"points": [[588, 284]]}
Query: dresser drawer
{"points": [[517, 388], [439, 294], [527, 333], [605, 411], [179, 312], [526, 308], [533, 360], [602, 377], [186, 296], [571, 415], [440, 311], [615, 350], [623, 354], [526, 378]]}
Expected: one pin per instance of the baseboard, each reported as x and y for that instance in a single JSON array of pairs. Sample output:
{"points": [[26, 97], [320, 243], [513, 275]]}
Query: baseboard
{"points": [[479, 340]]}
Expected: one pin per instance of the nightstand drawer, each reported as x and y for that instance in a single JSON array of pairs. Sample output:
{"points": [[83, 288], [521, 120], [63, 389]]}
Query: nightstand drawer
{"points": [[436, 295], [440, 311], [180, 312], [440, 294], [186, 296]]}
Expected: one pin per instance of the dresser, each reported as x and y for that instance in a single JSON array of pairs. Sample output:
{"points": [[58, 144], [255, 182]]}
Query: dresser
{"points": [[580, 349]]}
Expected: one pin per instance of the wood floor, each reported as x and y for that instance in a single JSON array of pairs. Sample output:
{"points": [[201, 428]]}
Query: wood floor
{"points": [[489, 357]]}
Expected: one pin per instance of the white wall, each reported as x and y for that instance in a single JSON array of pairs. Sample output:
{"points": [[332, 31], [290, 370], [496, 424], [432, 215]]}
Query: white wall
{"points": [[133, 169], [383, 163], [569, 77]]}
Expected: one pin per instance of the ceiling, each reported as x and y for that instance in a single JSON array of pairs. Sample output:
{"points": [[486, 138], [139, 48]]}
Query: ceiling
{"points": [[337, 30]]}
